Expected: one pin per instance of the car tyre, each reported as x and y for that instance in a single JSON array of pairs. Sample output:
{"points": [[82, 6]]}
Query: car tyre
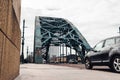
{"points": [[115, 64], [88, 64]]}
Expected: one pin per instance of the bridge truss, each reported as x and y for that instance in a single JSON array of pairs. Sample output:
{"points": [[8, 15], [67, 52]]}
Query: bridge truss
{"points": [[57, 32]]}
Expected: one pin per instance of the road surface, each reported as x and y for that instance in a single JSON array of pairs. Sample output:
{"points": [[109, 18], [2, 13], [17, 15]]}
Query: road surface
{"points": [[53, 72]]}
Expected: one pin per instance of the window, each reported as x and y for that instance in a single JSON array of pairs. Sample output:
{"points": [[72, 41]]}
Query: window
{"points": [[99, 46], [109, 42], [117, 40]]}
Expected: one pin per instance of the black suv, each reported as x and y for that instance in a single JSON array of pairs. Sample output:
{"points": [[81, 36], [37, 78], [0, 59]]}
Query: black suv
{"points": [[106, 52]]}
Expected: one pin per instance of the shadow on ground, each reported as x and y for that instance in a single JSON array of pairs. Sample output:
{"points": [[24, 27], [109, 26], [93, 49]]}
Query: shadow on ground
{"points": [[104, 69]]}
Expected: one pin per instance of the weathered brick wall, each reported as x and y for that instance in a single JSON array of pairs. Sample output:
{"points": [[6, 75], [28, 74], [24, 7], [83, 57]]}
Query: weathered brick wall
{"points": [[9, 39]]}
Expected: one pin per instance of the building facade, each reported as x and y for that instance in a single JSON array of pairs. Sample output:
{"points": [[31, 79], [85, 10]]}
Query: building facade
{"points": [[10, 38]]}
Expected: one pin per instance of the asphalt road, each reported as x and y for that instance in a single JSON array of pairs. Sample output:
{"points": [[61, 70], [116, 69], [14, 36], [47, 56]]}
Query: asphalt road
{"points": [[54, 72]]}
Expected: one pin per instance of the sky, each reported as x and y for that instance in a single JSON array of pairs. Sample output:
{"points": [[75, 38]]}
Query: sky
{"points": [[95, 19]]}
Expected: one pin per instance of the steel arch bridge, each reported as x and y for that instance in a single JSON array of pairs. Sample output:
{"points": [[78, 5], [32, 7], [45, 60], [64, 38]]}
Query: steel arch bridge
{"points": [[57, 31]]}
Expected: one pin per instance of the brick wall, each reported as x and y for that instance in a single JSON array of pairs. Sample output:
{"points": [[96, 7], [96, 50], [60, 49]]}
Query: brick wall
{"points": [[9, 39]]}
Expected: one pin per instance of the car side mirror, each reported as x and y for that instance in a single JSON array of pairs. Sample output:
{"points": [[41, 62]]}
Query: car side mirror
{"points": [[94, 50]]}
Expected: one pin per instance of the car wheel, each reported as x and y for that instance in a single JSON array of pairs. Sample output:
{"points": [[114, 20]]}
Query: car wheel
{"points": [[88, 64], [115, 64]]}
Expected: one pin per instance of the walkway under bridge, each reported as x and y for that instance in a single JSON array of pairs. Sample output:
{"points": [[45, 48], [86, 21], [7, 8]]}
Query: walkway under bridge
{"points": [[60, 33]]}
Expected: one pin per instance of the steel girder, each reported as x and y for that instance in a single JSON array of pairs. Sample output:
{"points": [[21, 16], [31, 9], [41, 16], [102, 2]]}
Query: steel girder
{"points": [[56, 31]]}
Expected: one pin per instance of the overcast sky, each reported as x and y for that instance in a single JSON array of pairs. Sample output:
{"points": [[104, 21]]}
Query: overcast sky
{"points": [[95, 19]]}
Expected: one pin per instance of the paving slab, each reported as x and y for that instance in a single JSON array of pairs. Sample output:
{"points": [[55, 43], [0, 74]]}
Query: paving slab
{"points": [[53, 72]]}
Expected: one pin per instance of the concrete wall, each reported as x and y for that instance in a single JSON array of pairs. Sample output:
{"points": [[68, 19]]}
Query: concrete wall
{"points": [[9, 39]]}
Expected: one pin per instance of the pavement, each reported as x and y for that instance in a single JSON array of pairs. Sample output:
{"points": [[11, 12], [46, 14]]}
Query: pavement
{"points": [[56, 72]]}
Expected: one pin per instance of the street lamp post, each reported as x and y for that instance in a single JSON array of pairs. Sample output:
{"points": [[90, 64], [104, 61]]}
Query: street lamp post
{"points": [[27, 55], [119, 30], [23, 41]]}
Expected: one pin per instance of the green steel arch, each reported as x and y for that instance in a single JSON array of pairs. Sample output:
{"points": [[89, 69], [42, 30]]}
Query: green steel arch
{"points": [[57, 31]]}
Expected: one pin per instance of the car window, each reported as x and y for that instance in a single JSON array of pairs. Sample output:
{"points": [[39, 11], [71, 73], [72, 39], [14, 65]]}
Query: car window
{"points": [[109, 42], [117, 40], [99, 46]]}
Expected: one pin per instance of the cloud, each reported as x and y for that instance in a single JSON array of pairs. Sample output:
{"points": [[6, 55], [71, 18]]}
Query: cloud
{"points": [[95, 19]]}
